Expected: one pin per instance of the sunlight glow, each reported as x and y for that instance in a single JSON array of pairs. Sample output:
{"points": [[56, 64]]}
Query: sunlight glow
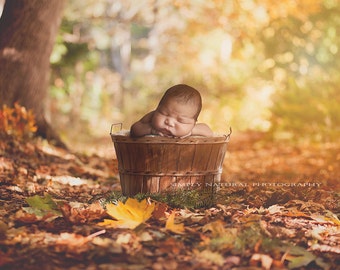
{"points": [[333, 49], [207, 58], [255, 107], [304, 66], [215, 46], [260, 14], [285, 57], [226, 48]]}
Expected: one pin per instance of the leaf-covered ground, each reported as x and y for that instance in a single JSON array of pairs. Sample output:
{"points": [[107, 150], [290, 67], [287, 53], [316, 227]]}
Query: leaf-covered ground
{"points": [[278, 208]]}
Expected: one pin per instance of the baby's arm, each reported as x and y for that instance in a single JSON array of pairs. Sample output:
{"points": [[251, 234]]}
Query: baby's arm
{"points": [[143, 126], [202, 130]]}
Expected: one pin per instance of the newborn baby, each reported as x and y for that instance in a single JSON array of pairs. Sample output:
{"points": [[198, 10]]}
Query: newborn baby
{"points": [[175, 116]]}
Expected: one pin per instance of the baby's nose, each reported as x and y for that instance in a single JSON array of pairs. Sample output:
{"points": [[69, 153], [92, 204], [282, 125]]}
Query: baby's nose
{"points": [[169, 122]]}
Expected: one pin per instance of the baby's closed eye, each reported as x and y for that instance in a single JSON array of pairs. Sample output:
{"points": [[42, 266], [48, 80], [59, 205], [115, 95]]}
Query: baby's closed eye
{"points": [[185, 120]]}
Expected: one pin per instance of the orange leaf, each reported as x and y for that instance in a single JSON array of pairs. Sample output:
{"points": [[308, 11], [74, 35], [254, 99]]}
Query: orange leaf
{"points": [[17, 121]]}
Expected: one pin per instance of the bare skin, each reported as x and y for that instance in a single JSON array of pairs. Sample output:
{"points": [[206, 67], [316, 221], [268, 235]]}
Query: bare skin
{"points": [[172, 119]]}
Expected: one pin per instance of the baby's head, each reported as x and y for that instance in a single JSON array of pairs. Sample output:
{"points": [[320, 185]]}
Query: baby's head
{"points": [[177, 111], [184, 94]]}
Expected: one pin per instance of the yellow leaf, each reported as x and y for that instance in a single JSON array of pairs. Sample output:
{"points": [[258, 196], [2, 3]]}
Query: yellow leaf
{"points": [[128, 215], [171, 226], [216, 227]]}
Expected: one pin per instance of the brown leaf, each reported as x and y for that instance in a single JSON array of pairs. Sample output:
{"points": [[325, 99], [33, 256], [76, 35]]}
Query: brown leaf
{"points": [[83, 213], [4, 258], [170, 246], [28, 218], [159, 211]]}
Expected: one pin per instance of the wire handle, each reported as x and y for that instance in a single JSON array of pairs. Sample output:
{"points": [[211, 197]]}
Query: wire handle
{"points": [[116, 125], [228, 135]]}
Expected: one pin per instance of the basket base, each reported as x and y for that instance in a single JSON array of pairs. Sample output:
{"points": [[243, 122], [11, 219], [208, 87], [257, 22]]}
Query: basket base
{"points": [[134, 184]]}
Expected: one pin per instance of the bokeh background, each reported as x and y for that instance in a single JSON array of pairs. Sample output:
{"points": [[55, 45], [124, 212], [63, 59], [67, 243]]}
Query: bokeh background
{"points": [[269, 66]]}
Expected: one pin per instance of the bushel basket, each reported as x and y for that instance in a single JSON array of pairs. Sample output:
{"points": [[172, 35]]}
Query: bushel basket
{"points": [[154, 164]]}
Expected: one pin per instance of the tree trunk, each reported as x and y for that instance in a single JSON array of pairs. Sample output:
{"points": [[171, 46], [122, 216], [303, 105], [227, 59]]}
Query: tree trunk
{"points": [[27, 33]]}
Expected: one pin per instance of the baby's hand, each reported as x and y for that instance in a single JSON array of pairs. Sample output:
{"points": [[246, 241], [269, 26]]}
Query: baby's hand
{"points": [[159, 133], [189, 134], [156, 132], [165, 135]]}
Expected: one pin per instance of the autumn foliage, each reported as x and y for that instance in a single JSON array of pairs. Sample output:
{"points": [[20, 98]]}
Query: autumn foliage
{"points": [[17, 121]]}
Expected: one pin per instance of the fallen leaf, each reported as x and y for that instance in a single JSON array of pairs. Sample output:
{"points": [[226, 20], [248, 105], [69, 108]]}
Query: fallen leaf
{"points": [[71, 242], [172, 226], [210, 256], [4, 258], [128, 215], [295, 213], [216, 227], [124, 238], [129, 241], [190, 217], [266, 260], [42, 205], [325, 248], [232, 261], [170, 246], [273, 209], [331, 218], [74, 243], [82, 213], [145, 237], [3, 228], [29, 215], [108, 243], [159, 211], [41, 209], [298, 257], [165, 263]]}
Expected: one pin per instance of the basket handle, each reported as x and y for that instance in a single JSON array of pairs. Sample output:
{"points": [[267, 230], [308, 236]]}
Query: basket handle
{"points": [[228, 135], [115, 125]]}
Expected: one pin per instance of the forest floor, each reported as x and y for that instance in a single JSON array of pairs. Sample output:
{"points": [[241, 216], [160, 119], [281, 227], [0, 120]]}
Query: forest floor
{"points": [[278, 208]]}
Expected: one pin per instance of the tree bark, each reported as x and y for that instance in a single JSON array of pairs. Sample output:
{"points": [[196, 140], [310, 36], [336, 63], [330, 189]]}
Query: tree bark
{"points": [[27, 33]]}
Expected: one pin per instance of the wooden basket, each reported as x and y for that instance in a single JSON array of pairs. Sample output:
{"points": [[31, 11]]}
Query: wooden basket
{"points": [[154, 164]]}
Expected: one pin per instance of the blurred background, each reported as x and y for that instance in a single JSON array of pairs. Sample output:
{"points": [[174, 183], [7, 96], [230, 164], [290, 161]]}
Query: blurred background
{"points": [[260, 65]]}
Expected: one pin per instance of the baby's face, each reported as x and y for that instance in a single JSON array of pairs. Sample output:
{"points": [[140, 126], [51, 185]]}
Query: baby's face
{"points": [[174, 119]]}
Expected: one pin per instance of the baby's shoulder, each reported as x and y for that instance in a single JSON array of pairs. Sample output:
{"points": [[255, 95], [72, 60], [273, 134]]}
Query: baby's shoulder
{"points": [[147, 118]]}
